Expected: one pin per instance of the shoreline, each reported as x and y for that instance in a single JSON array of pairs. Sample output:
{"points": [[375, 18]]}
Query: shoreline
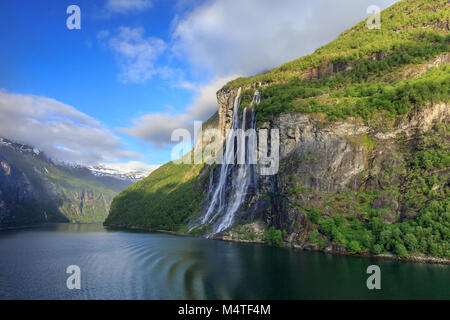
{"points": [[311, 248], [49, 224], [328, 250], [30, 226]]}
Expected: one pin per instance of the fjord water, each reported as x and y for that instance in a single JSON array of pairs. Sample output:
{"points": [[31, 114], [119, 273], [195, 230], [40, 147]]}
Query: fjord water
{"points": [[127, 265]]}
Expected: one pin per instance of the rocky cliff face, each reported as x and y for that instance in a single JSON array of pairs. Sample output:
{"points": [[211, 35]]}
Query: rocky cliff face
{"points": [[24, 199], [323, 161], [15, 183]]}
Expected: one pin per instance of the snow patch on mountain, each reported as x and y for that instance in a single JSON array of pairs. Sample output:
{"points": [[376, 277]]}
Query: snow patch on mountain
{"points": [[133, 170], [19, 146], [130, 171]]}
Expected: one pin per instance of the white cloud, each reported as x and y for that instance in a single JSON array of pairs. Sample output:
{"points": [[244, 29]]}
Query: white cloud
{"points": [[136, 53], [158, 127], [251, 36], [61, 131], [102, 34], [124, 6]]}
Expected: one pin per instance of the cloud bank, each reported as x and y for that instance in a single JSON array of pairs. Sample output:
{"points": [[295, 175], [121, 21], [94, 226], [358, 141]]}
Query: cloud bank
{"points": [[59, 130], [157, 128], [251, 36], [230, 38], [136, 54]]}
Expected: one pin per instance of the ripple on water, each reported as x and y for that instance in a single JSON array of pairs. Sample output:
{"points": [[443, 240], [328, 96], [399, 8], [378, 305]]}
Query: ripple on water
{"points": [[121, 265]]}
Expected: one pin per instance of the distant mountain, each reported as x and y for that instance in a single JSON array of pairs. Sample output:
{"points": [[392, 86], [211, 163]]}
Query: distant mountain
{"points": [[121, 172], [34, 189]]}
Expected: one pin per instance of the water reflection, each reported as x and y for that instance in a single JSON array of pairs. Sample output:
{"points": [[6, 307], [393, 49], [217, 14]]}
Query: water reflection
{"points": [[133, 265]]}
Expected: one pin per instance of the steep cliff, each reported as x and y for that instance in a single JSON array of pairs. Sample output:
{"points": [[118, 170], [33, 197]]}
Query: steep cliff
{"points": [[34, 190], [364, 148]]}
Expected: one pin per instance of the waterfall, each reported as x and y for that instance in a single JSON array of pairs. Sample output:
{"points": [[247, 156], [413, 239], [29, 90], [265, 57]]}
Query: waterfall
{"points": [[210, 185], [237, 172]]}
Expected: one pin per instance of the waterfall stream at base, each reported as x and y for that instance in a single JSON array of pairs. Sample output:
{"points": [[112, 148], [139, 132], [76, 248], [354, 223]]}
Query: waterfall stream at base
{"points": [[237, 172]]}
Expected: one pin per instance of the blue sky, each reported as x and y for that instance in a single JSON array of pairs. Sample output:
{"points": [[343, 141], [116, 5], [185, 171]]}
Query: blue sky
{"points": [[42, 57], [114, 90]]}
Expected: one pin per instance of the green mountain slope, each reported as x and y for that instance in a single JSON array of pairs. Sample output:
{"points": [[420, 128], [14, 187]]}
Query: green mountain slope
{"points": [[162, 201], [365, 73], [379, 99], [35, 190]]}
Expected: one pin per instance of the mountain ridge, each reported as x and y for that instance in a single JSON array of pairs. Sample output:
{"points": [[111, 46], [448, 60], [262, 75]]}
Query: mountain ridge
{"points": [[35, 189]]}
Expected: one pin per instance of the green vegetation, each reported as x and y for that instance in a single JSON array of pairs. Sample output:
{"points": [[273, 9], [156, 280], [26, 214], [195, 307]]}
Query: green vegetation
{"points": [[273, 236], [338, 98], [314, 237], [427, 170], [165, 200], [246, 99], [244, 232], [429, 234], [314, 215], [425, 191]]}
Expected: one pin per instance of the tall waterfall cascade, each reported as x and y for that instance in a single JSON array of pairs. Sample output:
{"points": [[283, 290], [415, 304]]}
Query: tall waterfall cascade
{"points": [[237, 172]]}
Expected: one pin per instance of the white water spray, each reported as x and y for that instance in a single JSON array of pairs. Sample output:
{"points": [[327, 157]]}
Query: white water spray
{"points": [[235, 179]]}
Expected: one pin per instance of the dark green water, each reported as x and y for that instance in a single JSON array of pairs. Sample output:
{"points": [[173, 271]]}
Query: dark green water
{"points": [[125, 265]]}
